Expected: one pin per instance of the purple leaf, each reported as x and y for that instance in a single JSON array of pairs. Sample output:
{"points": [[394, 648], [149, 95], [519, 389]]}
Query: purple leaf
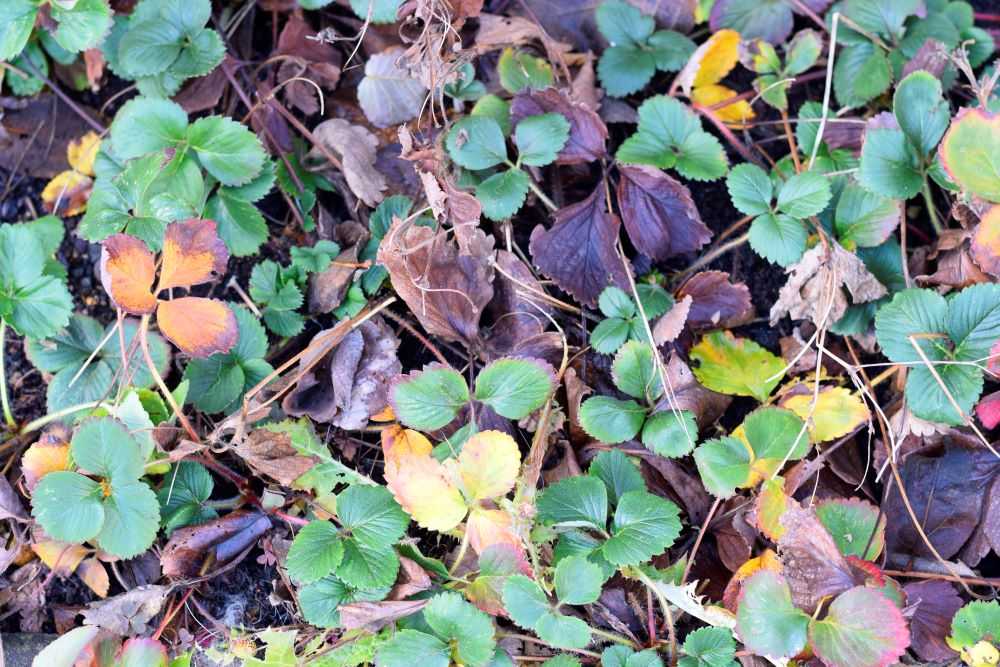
{"points": [[659, 214]]}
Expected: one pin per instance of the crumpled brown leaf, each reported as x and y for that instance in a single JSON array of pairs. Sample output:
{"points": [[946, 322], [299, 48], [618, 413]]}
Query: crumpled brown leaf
{"points": [[271, 454], [373, 616], [357, 149], [671, 324], [24, 593], [517, 309], [578, 251], [351, 383], [587, 132], [223, 538], [658, 213], [390, 94], [716, 302], [445, 287], [960, 260], [686, 393], [10, 503], [129, 613], [815, 287], [304, 57]]}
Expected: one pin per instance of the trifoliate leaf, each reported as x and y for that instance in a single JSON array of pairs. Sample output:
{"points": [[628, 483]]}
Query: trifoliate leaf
{"points": [[625, 69], [146, 125], [131, 519], [611, 420], [104, 447], [429, 399], [228, 150], [614, 302], [889, 164], [467, 630], [515, 388], [709, 647], [68, 506], [736, 366], [618, 473], [365, 566], [644, 526], [371, 515], [315, 553], [750, 188], [920, 313], [622, 23], [804, 195], [634, 371], [241, 225]]}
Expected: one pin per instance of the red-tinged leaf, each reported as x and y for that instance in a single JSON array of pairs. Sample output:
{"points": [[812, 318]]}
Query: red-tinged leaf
{"points": [[578, 251], [138, 652], [658, 212], [128, 269], [200, 327], [716, 302], [43, 457], [986, 242], [192, 254], [934, 604], [488, 528], [862, 628], [766, 619], [587, 132], [187, 549], [994, 361]]}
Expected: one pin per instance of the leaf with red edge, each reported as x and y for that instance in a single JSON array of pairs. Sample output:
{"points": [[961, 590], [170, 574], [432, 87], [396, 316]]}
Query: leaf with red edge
{"points": [[766, 620], [587, 132], [578, 251], [138, 652], [199, 327], [716, 302], [192, 254], [813, 565], [862, 628], [128, 269], [988, 410], [969, 153], [658, 213], [935, 604]]}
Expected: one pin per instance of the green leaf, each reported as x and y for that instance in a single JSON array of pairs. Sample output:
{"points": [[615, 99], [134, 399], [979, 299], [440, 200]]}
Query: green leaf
{"points": [[670, 434], [148, 47], [578, 501], [724, 465], [524, 601], [921, 110], [104, 447], [540, 138], [514, 388], [68, 506], [497, 108], [609, 335], [228, 150], [644, 526], [860, 74], [973, 322], [320, 600], [776, 434], [766, 620], [381, 11], [634, 371], [889, 164], [83, 26], [476, 142], [183, 495], [131, 519], [202, 53], [921, 313], [614, 302], [240, 224], [611, 420], [26, 86], [371, 515], [928, 401], [467, 630], [622, 23], [670, 49], [750, 188], [974, 622], [17, 18], [367, 566], [577, 581], [853, 524], [970, 153], [563, 631], [804, 195], [862, 628], [618, 473], [623, 656], [780, 239], [315, 553], [709, 647], [625, 69], [865, 218], [503, 194], [409, 647], [736, 366], [428, 399], [146, 125], [519, 71]]}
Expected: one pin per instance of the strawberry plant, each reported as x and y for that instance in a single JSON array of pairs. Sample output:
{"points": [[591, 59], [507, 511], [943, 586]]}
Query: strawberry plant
{"points": [[279, 289], [622, 320], [74, 27]]}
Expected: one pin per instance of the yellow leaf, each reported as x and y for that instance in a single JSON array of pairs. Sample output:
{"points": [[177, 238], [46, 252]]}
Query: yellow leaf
{"points": [[422, 485], [771, 504], [60, 557], [488, 528], [67, 193], [384, 415], [192, 254], [711, 94], [397, 442], [488, 465], [983, 654], [838, 412], [95, 576], [766, 561], [711, 61], [42, 458], [82, 152], [198, 326]]}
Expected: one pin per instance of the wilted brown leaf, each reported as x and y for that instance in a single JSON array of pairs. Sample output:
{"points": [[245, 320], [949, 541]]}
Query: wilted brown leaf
{"points": [[658, 213], [271, 454], [350, 384], [518, 308], [223, 538], [307, 58], [357, 148], [129, 613], [328, 287], [688, 394], [578, 251], [716, 302], [373, 616], [671, 324]]}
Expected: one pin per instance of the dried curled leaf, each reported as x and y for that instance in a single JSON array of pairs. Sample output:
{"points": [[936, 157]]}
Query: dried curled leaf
{"points": [[716, 302], [357, 148]]}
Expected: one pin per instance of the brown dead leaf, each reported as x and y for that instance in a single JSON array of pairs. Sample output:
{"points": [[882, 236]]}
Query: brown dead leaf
{"points": [[498, 32], [815, 287], [658, 213], [670, 326], [935, 604], [373, 616], [357, 148], [351, 383], [271, 454], [716, 302], [446, 288], [10, 503], [328, 287], [93, 573], [412, 580], [189, 548], [306, 58], [129, 613], [24, 593], [688, 394], [518, 308]]}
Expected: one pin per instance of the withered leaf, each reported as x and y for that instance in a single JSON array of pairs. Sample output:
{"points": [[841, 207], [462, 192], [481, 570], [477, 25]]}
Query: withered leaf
{"points": [[10, 502], [271, 454], [129, 613], [445, 288], [223, 538], [658, 212], [716, 302], [307, 58], [587, 132], [373, 616], [357, 148], [328, 287], [350, 384], [670, 326], [578, 251], [815, 287], [934, 603], [688, 394], [517, 309]]}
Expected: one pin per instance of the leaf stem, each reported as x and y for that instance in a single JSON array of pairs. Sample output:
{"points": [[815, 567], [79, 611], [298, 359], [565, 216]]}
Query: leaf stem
{"points": [[616, 638], [462, 549], [7, 415], [542, 196], [667, 614], [154, 371], [59, 414], [931, 210]]}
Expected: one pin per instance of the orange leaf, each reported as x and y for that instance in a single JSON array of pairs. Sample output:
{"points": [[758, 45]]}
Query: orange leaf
{"points": [[488, 528], [398, 442], [385, 415], [192, 253], [488, 465], [81, 153], [42, 458], [67, 193], [60, 557], [198, 326], [127, 272], [95, 576]]}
